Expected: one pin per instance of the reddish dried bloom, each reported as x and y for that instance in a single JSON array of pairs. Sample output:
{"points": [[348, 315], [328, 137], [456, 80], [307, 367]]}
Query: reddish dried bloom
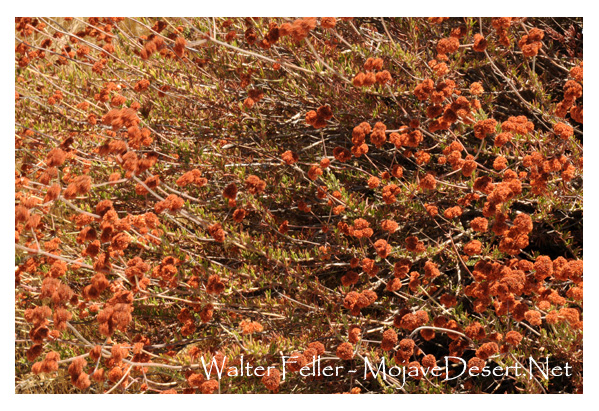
{"points": [[328, 22], [453, 212], [414, 320], [480, 43], [414, 245], [389, 225], [486, 350], [215, 285], [141, 85], [254, 185], [373, 182], [369, 267], [484, 127], [424, 89], [530, 44], [383, 77], [318, 347], [513, 338], [500, 163], [251, 327], [360, 228], [389, 193], [369, 79], [209, 387], [314, 172], [543, 267], [564, 131], [239, 215], [474, 247], [476, 89], [502, 139], [475, 365], [192, 177], [56, 157], [350, 278], [448, 300], [393, 285], [342, 154], [428, 182], [533, 317], [207, 313], [230, 191], [179, 47], [431, 210], [475, 331], [359, 79], [383, 249], [290, 157], [272, 379], [446, 46], [431, 270], [354, 333], [518, 125], [389, 340], [345, 351]]}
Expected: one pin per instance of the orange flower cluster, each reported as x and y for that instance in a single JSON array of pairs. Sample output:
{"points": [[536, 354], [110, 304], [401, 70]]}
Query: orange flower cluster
{"points": [[318, 118], [289, 157], [49, 364], [517, 125], [172, 203], [389, 225], [446, 46], [215, 285], [254, 184], [216, 231], [383, 249], [358, 139], [572, 92], [79, 186], [405, 351], [414, 245], [153, 44], [116, 313], [530, 43], [369, 78], [192, 177], [250, 327], [254, 96], [411, 321], [484, 127], [272, 380], [389, 340], [186, 318], [299, 29], [360, 229], [480, 43], [345, 351], [390, 192], [354, 301], [350, 278], [378, 137], [501, 26], [328, 22]]}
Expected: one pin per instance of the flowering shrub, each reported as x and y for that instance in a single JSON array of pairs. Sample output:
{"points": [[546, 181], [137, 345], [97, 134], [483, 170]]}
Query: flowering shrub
{"points": [[189, 190]]}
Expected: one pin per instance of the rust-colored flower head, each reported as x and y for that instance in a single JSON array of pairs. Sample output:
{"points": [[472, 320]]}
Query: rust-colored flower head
{"points": [[389, 340], [383, 249], [345, 351], [289, 157], [272, 379], [254, 184]]}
